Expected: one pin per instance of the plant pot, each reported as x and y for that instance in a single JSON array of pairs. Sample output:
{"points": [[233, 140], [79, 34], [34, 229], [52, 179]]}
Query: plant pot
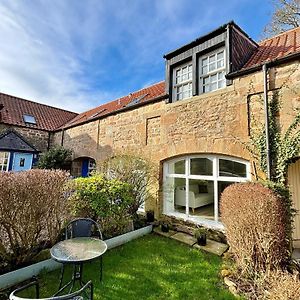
{"points": [[201, 239], [164, 227], [150, 216]]}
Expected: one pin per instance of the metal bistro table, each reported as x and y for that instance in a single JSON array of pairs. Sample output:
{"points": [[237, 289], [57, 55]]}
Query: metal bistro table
{"points": [[77, 251]]}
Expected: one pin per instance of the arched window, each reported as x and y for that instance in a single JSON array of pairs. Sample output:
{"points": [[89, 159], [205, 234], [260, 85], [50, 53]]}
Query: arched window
{"points": [[193, 185]]}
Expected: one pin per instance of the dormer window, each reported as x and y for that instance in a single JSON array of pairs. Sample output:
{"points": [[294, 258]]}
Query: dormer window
{"points": [[183, 78], [29, 119], [212, 71]]}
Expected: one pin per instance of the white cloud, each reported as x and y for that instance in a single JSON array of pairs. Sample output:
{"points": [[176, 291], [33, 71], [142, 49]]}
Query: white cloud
{"points": [[79, 54]]}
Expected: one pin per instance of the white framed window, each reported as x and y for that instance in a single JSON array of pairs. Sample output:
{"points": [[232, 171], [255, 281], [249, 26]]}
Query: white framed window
{"points": [[182, 79], [193, 185], [212, 71], [4, 160]]}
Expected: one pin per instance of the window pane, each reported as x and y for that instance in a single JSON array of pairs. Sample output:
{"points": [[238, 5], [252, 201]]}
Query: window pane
{"points": [[177, 167], [230, 168], [221, 84], [204, 62], [213, 86], [220, 64], [221, 75], [212, 67], [201, 166], [220, 55], [180, 195], [204, 70], [212, 58], [213, 78], [201, 198], [206, 89]]}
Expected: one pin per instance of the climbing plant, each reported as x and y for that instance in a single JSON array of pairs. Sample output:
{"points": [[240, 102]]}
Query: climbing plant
{"points": [[284, 146]]}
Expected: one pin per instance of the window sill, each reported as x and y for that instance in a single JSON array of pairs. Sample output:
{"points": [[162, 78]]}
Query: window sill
{"points": [[210, 224]]}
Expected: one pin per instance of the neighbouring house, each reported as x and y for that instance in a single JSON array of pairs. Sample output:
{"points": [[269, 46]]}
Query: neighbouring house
{"points": [[194, 125], [25, 131]]}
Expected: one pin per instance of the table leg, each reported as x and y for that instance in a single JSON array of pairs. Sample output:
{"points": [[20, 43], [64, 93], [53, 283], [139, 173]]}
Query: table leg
{"points": [[101, 267], [61, 276]]}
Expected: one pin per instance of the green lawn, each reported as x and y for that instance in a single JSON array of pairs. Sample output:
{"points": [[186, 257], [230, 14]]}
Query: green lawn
{"points": [[152, 267]]}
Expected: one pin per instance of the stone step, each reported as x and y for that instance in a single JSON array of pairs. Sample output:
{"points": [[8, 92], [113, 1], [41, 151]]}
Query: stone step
{"points": [[211, 246]]}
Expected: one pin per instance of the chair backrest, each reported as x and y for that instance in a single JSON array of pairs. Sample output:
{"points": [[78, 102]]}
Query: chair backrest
{"points": [[78, 295], [83, 227]]}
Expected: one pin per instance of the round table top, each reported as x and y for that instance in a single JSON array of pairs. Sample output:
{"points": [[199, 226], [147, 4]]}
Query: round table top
{"points": [[78, 250]]}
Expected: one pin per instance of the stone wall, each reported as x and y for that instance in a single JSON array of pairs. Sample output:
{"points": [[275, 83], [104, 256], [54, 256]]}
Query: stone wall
{"points": [[37, 138], [216, 122]]}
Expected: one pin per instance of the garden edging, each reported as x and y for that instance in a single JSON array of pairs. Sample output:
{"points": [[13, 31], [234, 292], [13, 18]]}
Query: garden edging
{"points": [[14, 277]]}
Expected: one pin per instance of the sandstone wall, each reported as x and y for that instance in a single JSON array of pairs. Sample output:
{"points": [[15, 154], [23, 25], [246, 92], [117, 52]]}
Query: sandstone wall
{"points": [[217, 122]]}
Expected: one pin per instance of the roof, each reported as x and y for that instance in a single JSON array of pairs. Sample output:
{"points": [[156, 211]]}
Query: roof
{"points": [[207, 36], [279, 46], [145, 95], [47, 117], [11, 140]]}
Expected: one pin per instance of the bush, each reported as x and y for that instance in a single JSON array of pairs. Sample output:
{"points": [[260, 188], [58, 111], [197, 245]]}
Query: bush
{"points": [[32, 211], [134, 170], [284, 286], [255, 227], [56, 158], [107, 201]]}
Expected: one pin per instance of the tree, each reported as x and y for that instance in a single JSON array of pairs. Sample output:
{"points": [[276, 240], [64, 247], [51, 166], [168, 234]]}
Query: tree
{"points": [[286, 16], [55, 158]]}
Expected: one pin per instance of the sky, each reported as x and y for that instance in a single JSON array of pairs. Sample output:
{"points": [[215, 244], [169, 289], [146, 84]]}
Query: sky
{"points": [[77, 55]]}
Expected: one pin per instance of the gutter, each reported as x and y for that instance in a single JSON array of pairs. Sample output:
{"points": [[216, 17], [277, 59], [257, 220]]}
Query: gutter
{"points": [[126, 108], [269, 64], [266, 108]]}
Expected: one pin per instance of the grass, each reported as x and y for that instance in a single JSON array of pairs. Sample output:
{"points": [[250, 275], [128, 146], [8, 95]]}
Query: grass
{"points": [[151, 267]]}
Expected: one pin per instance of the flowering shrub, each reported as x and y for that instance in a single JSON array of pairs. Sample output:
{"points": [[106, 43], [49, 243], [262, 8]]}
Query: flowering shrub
{"points": [[254, 217], [107, 201], [32, 212]]}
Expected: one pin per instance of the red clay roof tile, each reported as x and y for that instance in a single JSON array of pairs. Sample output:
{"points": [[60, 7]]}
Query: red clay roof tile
{"points": [[276, 47], [142, 96], [47, 117]]}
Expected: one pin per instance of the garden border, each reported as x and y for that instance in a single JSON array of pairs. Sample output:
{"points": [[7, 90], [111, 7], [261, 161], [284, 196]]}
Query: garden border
{"points": [[14, 277]]}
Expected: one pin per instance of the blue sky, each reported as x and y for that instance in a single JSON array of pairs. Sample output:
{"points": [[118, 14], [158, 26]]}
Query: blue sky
{"points": [[79, 54]]}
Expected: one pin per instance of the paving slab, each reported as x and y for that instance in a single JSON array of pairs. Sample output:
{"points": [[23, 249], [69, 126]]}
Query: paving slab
{"points": [[166, 234], [213, 247], [184, 238]]}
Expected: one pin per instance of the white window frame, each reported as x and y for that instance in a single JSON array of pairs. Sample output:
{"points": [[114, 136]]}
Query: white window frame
{"points": [[209, 74], [214, 224], [188, 82], [2, 159]]}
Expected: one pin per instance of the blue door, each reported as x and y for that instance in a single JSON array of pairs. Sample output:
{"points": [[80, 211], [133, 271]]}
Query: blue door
{"points": [[85, 168], [22, 161]]}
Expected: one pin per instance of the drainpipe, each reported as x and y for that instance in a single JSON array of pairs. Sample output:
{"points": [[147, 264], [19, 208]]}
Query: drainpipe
{"points": [[62, 137], [265, 74]]}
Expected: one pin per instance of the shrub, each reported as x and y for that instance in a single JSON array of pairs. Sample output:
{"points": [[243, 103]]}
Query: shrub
{"points": [[255, 227], [32, 211], [55, 158], [107, 201], [283, 286], [140, 173]]}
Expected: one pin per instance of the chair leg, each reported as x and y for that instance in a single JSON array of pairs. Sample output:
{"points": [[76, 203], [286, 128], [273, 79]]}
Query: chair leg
{"points": [[101, 268], [61, 275]]}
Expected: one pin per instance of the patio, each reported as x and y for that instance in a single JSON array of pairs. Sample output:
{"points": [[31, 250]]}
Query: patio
{"points": [[152, 267]]}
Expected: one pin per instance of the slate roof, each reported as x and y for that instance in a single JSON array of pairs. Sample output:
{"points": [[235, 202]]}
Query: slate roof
{"points": [[12, 141], [47, 117], [277, 47], [144, 95]]}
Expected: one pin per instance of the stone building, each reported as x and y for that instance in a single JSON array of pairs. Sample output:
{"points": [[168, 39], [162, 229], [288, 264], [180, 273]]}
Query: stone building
{"points": [[195, 124], [25, 131]]}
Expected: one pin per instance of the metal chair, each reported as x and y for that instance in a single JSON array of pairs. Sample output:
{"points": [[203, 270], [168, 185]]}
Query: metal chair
{"points": [[82, 227], [77, 295]]}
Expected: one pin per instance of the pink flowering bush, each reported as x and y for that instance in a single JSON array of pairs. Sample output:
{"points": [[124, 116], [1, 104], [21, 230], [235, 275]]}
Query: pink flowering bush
{"points": [[32, 212]]}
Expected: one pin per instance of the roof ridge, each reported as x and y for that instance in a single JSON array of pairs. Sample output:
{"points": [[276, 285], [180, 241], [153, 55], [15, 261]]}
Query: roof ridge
{"points": [[38, 103], [278, 35]]}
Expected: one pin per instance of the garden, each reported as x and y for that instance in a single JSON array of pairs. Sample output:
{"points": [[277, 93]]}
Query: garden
{"points": [[36, 205]]}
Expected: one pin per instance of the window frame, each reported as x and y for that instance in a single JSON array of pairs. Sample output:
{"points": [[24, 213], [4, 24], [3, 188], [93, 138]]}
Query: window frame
{"points": [[215, 177], [2, 159], [209, 74], [175, 85], [29, 119]]}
